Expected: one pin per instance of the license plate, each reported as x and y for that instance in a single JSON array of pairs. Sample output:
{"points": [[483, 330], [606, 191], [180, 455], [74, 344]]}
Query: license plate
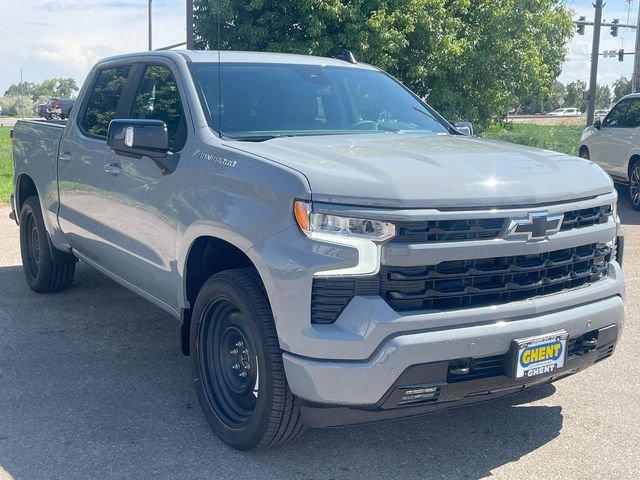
{"points": [[540, 355]]}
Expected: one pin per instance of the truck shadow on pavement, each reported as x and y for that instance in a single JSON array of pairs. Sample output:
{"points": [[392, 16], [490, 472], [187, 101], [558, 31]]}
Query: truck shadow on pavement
{"points": [[93, 385]]}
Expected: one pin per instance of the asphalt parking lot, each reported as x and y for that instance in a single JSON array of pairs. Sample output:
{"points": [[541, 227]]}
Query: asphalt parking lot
{"points": [[93, 385]]}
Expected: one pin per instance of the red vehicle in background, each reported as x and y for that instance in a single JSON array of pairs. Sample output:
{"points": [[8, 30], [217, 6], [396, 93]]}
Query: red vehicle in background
{"points": [[59, 108]]}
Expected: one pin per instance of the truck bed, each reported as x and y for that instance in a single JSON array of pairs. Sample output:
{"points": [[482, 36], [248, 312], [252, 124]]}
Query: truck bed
{"points": [[36, 146]]}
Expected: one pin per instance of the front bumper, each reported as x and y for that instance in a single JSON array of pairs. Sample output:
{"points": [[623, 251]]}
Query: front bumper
{"points": [[365, 383], [455, 394]]}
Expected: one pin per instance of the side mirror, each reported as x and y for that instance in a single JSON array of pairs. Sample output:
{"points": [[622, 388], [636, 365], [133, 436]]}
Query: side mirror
{"points": [[597, 124], [138, 138], [465, 128]]}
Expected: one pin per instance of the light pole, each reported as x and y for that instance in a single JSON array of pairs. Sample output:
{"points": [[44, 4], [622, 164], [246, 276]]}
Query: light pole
{"points": [[190, 43], [150, 28], [593, 78]]}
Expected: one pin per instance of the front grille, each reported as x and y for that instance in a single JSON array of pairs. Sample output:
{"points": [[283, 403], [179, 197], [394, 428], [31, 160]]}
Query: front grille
{"points": [[449, 230], [461, 284], [433, 231], [472, 283], [586, 217]]}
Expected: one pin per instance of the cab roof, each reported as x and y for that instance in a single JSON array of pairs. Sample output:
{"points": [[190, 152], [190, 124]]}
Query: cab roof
{"points": [[226, 56]]}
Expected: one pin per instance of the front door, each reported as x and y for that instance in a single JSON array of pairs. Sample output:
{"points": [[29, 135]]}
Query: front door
{"points": [[140, 221], [605, 149]]}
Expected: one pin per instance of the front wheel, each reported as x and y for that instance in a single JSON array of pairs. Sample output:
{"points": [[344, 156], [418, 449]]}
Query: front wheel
{"points": [[634, 185], [237, 364]]}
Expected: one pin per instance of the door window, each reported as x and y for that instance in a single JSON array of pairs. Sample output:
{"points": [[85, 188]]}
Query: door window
{"points": [[632, 118], [616, 115], [103, 101], [158, 99]]}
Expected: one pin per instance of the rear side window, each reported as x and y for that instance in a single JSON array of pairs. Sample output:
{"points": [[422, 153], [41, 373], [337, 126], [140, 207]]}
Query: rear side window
{"points": [[103, 100], [632, 119], [616, 115], [158, 99]]}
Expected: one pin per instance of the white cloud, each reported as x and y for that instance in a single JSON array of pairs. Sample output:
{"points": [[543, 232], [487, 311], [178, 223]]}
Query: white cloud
{"points": [[48, 38]]}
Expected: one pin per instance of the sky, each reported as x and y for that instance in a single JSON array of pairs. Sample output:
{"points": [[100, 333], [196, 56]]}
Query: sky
{"points": [[64, 38]]}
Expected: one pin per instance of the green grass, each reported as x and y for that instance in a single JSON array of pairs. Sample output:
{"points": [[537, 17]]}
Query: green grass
{"points": [[6, 166], [560, 138]]}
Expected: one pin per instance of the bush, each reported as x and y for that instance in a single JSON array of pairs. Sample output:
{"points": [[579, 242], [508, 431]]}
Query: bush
{"points": [[559, 138]]}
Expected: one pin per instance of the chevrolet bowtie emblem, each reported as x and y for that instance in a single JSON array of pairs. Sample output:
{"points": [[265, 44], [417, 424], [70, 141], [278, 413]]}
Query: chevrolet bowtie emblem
{"points": [[537, 226]]}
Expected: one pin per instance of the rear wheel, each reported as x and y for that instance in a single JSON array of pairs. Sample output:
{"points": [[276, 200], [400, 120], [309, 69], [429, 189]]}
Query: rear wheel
{"points": [[42, 273], [634, 185], [237, 364]]}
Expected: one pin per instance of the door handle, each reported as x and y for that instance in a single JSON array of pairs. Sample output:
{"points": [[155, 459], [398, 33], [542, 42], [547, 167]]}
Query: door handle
{"points": [[113, 169], [65, 157]]}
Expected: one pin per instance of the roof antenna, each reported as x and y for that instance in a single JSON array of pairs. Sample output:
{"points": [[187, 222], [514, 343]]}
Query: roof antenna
{"points": [[347, 56]]}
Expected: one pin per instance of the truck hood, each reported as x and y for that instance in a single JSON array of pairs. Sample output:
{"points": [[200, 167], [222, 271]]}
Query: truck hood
{"points": [[430, 171]]}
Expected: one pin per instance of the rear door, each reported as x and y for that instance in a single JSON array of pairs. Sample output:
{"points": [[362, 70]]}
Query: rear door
{"points": [[604, 147], [81, 166]]}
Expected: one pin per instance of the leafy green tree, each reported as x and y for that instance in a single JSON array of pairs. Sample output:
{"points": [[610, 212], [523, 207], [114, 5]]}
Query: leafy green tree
{"points": [[543, 102], [603, 96], [621, 87], [575, 95], [39, 92], [471, 58]]}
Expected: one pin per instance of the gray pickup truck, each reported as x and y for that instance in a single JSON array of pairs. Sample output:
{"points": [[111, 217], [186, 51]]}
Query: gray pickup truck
{"points": [[335, 251]]}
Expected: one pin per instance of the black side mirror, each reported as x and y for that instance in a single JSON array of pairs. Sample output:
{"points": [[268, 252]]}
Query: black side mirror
{"points": [[465, 128], [138, 138], [597, 124]]}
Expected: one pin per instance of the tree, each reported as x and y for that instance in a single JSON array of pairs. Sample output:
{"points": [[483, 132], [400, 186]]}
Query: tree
{"points": [[39, 92], [472, 59], [621, 87], [575, 95], [543, 102], [603, 96]]}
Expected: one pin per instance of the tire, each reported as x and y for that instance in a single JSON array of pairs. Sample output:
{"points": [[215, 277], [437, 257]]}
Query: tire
{"points": [[584, 153], [237, 364], [43, 275], [634, 185]]}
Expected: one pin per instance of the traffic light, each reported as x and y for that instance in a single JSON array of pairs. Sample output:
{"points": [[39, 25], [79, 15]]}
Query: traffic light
{"points": [[614, 28], [621, 55], [581, 21]]}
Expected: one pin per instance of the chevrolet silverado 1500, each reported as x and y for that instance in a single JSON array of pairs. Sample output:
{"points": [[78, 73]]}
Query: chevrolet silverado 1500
{"points": [[335, 251]]}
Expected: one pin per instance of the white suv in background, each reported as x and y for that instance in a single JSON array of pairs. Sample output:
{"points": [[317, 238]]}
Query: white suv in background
{"points": [[566, 112], [614, 144]]}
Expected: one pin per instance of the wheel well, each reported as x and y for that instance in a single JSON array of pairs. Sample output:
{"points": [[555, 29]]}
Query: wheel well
{"points": [[632, 160], [583, 148], [25, 189], [207, 256]]}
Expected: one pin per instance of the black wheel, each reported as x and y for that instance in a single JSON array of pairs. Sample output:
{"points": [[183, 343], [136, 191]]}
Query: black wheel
{"points": [[584, 153], [42, 273], [237, 364], [634, 185]]}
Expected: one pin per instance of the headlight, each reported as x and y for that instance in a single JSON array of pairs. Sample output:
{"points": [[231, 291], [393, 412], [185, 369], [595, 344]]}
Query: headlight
{"points": [[363, 234], [310, 222]]}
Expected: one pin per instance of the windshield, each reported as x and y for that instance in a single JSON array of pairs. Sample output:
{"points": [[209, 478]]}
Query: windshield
{"points": [[263, 101]]}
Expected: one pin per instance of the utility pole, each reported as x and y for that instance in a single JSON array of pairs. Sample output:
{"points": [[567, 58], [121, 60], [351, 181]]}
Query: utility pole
{"points": [[21, 95], [593, 79], [635, 82], [190, 42], [150, 28]]}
